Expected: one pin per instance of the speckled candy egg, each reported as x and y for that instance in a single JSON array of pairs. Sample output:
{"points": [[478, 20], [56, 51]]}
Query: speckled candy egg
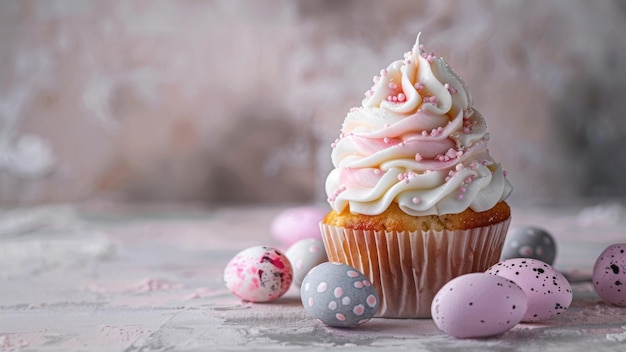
{"points": [[304, 255], [548, 291], [338, 295], [478, 305], [258, 274], [297, 223], [609, 275], [529, 242]]}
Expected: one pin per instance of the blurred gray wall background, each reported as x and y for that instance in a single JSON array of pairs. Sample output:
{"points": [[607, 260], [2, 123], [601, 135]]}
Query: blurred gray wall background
{"points": [[239, 101]]}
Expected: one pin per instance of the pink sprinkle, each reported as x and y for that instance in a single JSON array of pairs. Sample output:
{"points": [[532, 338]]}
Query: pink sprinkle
{"points": [[376, 171], [407, 61], [358, 284], [394, 99], [468, 180], [340, 317], [367, 283], [338, 292], [466, 130], [383, 72], [424, 133], [463, 189], [386, 140], [459, 197], [352, 273], [505, 173], [450, 89], [314, 249], [418, 157], [376, 79], [401, 97], [416, 200], [419, 86], [393, 86], [311, 302]]}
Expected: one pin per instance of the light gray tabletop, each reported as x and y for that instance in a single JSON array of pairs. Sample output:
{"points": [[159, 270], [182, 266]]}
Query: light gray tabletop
{"points": [[113, 277]]}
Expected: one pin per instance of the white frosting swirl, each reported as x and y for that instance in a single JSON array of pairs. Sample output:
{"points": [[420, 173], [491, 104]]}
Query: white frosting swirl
{"points": [[416, 141]]}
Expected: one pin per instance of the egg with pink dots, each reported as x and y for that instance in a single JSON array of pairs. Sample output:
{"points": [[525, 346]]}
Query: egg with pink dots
{"points": [[338, 295], [529, 242], [304, 255]]}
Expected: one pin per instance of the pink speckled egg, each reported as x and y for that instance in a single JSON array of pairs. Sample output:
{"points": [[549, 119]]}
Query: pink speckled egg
{"points": [[548, 291], [304, 255], [478, 305], [297, 223], [609, 275], [258, 274]]}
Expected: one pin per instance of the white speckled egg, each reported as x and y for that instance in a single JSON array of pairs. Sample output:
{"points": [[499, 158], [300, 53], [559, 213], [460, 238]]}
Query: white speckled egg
{"points": [[609, 275], [548, 291], [258, 274], [529, 242], [338, 295], [294, 224], [304, 255], [478, 305]]}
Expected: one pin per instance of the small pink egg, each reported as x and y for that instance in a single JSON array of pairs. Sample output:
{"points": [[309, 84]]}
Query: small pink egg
{"points": [[297, 223], [609, 275], [548, 291], [478, 305], [258, 274]]}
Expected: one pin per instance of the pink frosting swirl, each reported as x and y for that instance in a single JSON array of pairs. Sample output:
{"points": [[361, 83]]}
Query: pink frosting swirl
{"points": [[416, 140]]}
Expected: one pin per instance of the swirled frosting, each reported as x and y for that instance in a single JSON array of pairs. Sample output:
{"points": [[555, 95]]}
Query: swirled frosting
{"points": [[415, 140]]}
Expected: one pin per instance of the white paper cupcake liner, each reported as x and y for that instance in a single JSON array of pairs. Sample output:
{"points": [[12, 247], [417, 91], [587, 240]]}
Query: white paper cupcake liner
{"points": [[409, 268]]}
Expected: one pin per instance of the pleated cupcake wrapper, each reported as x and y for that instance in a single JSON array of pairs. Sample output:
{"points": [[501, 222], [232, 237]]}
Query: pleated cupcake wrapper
{"points": [[409, 268]]}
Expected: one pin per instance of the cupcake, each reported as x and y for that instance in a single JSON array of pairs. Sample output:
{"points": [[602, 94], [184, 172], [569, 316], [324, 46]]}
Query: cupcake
{"points": [[416, 198]]}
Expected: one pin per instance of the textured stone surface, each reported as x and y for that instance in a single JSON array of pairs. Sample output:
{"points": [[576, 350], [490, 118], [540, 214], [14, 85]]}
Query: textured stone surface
{"points": [[115, 277]]}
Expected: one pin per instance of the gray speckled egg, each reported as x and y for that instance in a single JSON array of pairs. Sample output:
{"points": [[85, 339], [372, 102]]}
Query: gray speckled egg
{"points": [[338, 295], [304, 255], [529, 242], [609, 274], [478, 305], [548, 291]]}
